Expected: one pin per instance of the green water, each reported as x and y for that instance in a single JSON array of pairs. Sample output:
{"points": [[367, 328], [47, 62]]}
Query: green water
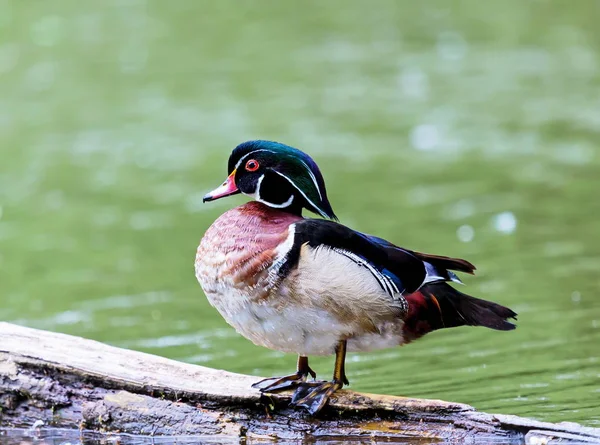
{"points": [[461, 128]]}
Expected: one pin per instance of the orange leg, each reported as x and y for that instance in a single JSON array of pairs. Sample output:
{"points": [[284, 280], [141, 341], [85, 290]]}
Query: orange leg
{"points": [[314, 395], [276, 384]]}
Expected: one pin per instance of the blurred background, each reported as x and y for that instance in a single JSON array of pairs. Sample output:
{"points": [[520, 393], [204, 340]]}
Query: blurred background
{"points": [[462, 128]]}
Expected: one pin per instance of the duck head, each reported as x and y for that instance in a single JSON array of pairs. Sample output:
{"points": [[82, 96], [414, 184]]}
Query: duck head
{"points": [[277, 175]]}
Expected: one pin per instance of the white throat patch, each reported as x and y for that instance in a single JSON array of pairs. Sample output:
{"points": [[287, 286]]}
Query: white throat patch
{"points": [[257, 197]]}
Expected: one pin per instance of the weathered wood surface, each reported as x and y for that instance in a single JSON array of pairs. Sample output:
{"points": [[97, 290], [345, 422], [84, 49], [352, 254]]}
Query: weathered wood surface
{"points": [[72, 382]]}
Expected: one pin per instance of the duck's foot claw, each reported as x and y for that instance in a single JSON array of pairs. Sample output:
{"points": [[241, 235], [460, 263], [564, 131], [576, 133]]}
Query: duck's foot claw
{"points": [[276, 384], [314, 395]]}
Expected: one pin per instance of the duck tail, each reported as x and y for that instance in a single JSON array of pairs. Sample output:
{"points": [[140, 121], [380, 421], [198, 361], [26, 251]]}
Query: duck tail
{"points": [[438, 305]]}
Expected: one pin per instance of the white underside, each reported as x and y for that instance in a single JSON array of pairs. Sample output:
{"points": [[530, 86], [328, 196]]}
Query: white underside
{"points": [[327, 298], [307, 331]]}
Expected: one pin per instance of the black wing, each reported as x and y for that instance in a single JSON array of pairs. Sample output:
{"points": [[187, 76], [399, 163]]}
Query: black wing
{"points": [[396, 269]]}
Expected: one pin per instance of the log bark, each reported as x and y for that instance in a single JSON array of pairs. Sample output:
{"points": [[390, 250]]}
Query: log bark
{"points": [[71, 382]]}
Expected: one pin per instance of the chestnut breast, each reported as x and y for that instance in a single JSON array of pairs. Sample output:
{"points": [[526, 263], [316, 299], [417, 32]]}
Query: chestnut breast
{"points": [[235, 253]]}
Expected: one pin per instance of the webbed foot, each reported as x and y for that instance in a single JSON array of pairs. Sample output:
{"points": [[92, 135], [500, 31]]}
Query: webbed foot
{"points": [[314, 395], [276, 384]]}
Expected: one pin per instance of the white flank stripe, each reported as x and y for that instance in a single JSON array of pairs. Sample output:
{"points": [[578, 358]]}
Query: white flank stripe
{"points": [[383, 280]]}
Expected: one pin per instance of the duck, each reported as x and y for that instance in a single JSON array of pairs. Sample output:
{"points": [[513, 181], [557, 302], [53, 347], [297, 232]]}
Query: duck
{"points": [[315, 287]]}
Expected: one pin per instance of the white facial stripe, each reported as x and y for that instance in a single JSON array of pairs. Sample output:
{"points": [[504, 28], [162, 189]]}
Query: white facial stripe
{"points": [[314, 180], [256, 196], [257, 191], [323, 214], [277, 206], [248, 154]]}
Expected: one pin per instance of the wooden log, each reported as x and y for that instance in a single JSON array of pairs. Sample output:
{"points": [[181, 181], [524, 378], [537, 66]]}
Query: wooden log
{"points": [[71, 382]]}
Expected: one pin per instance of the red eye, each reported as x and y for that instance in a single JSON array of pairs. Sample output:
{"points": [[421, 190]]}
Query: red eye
{"points": [[252, 165]]}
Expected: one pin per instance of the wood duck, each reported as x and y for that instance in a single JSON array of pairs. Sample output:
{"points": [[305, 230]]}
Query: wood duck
{"points": [[314, 286]]}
